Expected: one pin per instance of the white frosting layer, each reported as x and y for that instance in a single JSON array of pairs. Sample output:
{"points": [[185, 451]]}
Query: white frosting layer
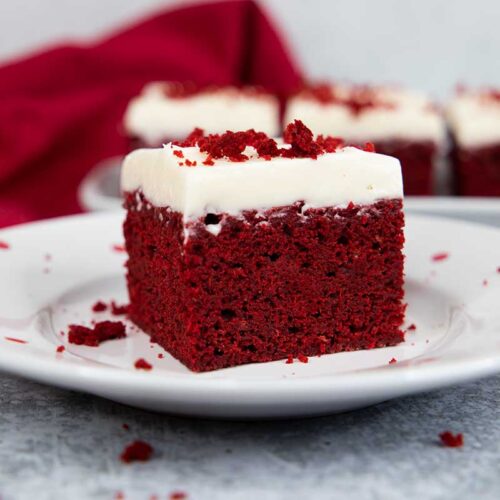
{"points": [[474, 119], [334, 179], [153, 116], [410, 116]]}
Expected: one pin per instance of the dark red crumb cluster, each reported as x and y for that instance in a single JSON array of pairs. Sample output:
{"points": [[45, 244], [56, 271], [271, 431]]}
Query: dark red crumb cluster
{"points": [[412, 327], [116, 309], [101, 331], [451, 440], [231, 145], [437, 257], [4, 245], [142, 364], [138, 451], [392, 361], [60, 349]]}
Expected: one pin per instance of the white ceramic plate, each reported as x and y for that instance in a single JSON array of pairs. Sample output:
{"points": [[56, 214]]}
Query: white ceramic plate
{"points": [[55, 270]]}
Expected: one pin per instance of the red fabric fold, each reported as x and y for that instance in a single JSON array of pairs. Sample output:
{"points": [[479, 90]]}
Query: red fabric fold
{"points": [[61, 110]]}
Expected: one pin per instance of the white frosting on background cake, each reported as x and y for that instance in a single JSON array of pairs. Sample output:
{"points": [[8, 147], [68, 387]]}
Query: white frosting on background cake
{"points": [[333, 179], [474, 119], [408, 116], [153, 116]]}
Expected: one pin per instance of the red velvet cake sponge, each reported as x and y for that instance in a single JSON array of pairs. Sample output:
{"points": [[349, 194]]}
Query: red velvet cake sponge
{"points": [[243, 250]]}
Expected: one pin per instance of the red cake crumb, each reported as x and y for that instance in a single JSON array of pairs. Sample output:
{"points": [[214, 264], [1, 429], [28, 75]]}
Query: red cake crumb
{"points": [[412, 327], [160, 356], [17, 341], [4, 245], [177, 495], [118, 248], [289, 359], [485, 282], [99, 306], [209, 161], [178, 153], [440, 256], [392, 361], [60, 348], [369, 147], [451, 440], [92, 337], [142, 364], [125, 427], [138, 451], [119, 310], [119, 495], [302, 358], [231, 145], [191, 140], [498, 269]]}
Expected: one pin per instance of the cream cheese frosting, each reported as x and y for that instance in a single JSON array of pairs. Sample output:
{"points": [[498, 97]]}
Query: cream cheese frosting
{"points": [[155, 116], [474, 118], [333, 179], [401, 114]]}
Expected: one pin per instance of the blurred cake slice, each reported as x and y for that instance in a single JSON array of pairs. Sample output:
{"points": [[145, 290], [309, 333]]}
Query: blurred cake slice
{"points": [[168, 111], [399, 122], [474, 121]]}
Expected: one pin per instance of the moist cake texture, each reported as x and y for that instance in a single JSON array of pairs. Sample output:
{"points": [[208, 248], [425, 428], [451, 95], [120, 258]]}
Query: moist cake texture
{"points": [[474, 121]]}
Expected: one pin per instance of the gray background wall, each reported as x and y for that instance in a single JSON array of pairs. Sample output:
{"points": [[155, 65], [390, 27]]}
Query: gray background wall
{"points": [[428, 44]]}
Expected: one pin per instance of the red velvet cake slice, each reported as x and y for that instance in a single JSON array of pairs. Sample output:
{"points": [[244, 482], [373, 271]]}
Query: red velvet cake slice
{"points": [[167, 111], [474, 121], [243, 250], [399, 122]]}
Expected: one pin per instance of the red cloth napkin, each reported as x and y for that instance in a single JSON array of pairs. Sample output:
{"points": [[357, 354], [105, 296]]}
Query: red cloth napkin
{"points": [[61, 110]]}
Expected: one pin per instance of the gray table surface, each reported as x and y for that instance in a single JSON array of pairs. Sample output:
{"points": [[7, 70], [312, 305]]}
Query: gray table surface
{"points": [[61, 444]]}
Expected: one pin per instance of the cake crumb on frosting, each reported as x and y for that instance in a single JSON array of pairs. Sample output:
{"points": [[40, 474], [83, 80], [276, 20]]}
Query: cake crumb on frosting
{"points": [[231, 145]]}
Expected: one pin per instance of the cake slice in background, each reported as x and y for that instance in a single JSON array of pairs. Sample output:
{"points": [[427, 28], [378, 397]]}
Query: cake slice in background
{"points": [[242, 250], [400, 123], [474, 121], [167, 111]]}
